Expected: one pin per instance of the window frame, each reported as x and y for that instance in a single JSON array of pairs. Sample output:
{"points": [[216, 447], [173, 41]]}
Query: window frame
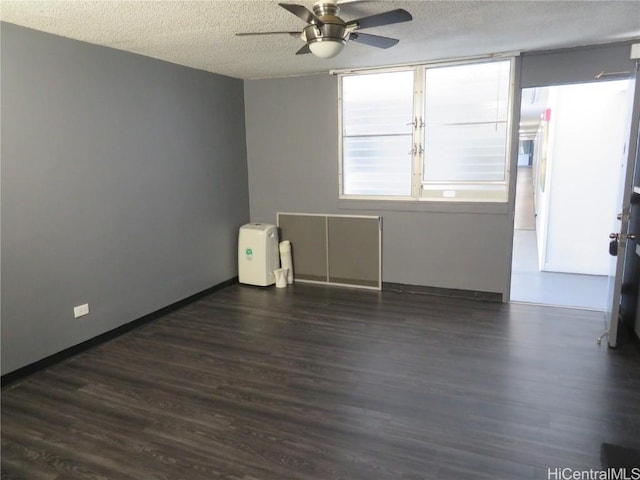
{"points": [[417, 162]]}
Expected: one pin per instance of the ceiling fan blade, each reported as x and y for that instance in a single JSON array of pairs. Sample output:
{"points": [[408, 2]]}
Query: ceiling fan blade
{"points": [[380, 19], [302, 12], [304, 50], [373, 40], [247, 34]]}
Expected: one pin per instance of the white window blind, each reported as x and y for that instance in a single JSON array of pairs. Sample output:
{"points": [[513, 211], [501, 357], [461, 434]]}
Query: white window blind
{"points": [[445, 140], [377, 111], [466, 111]]}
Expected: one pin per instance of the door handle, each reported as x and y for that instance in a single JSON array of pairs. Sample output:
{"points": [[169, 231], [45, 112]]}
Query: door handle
{"points": [[616, 238], [624, 236]]}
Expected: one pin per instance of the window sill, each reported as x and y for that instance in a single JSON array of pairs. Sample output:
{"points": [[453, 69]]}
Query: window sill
{"points": [[489, 208]]}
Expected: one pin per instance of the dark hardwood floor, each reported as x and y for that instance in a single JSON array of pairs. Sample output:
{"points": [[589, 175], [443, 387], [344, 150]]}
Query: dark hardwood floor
{"points": [[314, 382]]}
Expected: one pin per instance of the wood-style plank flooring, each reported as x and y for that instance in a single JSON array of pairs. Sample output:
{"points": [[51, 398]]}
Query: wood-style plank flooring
{"points": [[314, 382]]}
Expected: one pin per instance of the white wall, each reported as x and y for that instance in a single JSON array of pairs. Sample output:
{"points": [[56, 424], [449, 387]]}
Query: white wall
{"points": [[541, 181], [586, 145]]}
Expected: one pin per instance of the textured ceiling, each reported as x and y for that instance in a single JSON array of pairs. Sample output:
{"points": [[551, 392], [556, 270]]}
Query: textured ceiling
{"points": [[201, 34]]}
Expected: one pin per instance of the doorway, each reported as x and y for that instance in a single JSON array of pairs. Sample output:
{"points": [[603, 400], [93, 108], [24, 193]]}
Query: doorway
{"points": [[571, 142]]}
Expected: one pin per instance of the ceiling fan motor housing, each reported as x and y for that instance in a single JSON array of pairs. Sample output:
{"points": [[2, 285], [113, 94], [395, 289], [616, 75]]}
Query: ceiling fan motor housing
{"points": [[333, 28]]}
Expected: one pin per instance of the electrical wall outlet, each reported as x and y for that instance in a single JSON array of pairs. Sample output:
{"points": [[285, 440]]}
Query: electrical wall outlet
{"points": [[81, 310]]}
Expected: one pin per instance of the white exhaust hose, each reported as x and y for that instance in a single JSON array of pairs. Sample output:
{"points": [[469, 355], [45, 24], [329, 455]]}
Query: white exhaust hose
{"points": [[285, 259]]}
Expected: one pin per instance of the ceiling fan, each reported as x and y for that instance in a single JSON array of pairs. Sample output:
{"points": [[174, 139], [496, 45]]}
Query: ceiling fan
{"points": [[326, 34]]}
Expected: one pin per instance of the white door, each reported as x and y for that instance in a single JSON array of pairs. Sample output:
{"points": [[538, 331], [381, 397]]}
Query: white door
{"points": [[621, 261]]}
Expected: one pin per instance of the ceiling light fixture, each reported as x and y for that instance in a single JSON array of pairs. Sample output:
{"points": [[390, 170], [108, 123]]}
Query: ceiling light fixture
{"points": [[326, 47], [326, 40]]}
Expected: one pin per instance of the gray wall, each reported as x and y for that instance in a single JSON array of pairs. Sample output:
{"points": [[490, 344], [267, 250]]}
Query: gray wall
{"points": [[575, 65], [124, 181], [292, 152]]}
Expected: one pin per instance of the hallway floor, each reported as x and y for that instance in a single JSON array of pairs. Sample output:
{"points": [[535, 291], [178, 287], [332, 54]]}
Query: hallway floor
{"points": [[528, 283]]}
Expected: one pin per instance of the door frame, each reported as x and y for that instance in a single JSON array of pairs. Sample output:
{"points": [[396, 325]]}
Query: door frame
{"points": [[558, 67], [626, 264]]}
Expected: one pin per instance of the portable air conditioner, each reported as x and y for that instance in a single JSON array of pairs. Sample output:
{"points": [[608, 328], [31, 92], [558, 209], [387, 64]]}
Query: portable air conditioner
{"points": [[258, 254]]}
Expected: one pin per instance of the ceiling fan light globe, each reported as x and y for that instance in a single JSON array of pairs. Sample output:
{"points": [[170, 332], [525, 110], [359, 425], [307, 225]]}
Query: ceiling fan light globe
{"points": [[326, 47]]}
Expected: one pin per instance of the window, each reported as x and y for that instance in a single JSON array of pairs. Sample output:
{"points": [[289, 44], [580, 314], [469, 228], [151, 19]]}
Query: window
{"points": [[427, 133], [376, 126]]}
